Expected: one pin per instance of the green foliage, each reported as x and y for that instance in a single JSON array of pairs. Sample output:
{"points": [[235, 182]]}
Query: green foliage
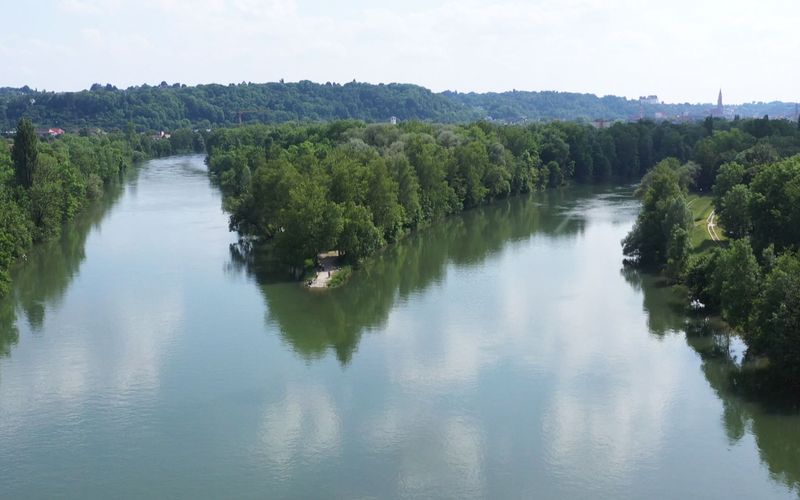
{"points": [[678, 251], [178, 106], [403, 176], [654, 238], [170, 107], [729, 175], [775, 205], [775, 328], [761, 300], [383, 181], [359, 237], [736, 281], [735, 211], [699, 275], [24, 153], [309, 223], [64, 174], [722, 147], [340, 277]]}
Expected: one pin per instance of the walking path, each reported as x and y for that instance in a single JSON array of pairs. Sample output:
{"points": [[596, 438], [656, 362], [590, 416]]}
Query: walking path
{"points": [[328, 262], [712, 227]]}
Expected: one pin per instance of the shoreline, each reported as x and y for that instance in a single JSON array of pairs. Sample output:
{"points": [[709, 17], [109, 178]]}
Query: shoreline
{"points": [[329, 262]]}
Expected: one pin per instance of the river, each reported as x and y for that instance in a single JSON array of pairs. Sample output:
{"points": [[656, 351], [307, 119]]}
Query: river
{"points": [[502, 353]]}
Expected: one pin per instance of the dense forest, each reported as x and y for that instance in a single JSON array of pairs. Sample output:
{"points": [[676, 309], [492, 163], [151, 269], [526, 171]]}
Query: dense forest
{"points": [[753, 277], [353, 187], [166, 107], [171, 106], [44, 183]]}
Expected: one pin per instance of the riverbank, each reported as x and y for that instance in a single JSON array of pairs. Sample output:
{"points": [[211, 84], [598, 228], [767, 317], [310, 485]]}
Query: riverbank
{"points": [[328, 269], [430, 352]]}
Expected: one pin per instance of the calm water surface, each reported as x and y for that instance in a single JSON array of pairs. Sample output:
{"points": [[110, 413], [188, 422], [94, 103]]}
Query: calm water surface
{"points": [[503, 353]]}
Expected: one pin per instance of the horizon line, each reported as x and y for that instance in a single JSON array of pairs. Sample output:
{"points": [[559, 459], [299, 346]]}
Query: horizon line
{"points": [[508, 91]]}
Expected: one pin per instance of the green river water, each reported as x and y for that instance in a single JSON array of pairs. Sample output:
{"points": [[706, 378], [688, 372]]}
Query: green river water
{"points": [[502, 353]]}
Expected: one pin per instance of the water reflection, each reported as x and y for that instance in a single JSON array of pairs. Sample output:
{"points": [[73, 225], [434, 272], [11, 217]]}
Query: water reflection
{"points": [[43, 278], [772, 426], [314, 323], [303, 426], [664, 305]]}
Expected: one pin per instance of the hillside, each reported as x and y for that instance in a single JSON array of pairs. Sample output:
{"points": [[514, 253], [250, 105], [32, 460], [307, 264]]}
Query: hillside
{"points": [[203, 106]]}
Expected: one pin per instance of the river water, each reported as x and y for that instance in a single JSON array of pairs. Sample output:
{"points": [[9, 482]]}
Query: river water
{"points": [[503, 353]]}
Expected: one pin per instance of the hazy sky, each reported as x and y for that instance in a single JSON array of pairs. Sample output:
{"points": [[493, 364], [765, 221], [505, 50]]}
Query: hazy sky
{"points": [[682, 50]]}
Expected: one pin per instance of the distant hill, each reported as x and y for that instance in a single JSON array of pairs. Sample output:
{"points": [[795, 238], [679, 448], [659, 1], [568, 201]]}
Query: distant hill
{"points": [[204, 106], [171, 106], [519, 106]]}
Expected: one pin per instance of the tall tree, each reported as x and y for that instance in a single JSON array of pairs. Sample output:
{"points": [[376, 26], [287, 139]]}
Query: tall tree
{"points": [[735, 211], [24, 153], [736, 280]]}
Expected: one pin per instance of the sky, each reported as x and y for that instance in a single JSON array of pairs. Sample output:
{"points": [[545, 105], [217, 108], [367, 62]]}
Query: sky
{"points": [[680, 50]]}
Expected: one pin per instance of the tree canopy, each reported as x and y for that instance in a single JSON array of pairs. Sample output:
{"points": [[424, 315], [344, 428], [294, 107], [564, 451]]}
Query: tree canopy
{"points": [[167, 107]]}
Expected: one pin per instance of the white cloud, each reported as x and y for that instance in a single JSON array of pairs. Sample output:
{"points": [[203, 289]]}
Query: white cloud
{"points": [[682, 50], [304, 425]]}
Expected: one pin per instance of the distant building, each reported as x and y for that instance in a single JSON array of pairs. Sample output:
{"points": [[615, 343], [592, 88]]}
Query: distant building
{"points": [[649, 99], [161, 135], [49, 132], [719, 111], [393, 120]]}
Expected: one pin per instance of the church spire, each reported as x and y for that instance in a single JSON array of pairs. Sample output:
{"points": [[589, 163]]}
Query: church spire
{"points": [[719, 99]]}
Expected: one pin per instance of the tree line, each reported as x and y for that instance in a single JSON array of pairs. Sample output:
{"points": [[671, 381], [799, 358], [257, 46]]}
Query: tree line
{"points": [[45, 183], [753, 279], [354, 187], [168, 107], [172, 106]]}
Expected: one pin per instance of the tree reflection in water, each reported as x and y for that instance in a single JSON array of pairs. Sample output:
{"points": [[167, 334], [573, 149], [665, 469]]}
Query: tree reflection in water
{"points": [[771, 422], [43, 278], [313, 323]]}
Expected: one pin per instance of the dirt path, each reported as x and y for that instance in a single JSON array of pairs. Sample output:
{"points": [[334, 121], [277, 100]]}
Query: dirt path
{"points": [[712, 227], [329, 263]]}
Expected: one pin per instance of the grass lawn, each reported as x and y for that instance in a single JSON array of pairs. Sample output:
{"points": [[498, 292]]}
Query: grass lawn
{"points": [[701, 207]]}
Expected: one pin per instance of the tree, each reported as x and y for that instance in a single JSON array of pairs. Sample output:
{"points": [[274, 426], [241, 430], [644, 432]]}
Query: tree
{"points": [[737, 279], [524, 175], [699, 278], [15, 235], [678, 250], [775, 205], [708, 125], [735, 211], [729, 175], [24, 153], [663, 209], [408, 188], [776, 320], [359, 236], [381, 198], [308, 224]]}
